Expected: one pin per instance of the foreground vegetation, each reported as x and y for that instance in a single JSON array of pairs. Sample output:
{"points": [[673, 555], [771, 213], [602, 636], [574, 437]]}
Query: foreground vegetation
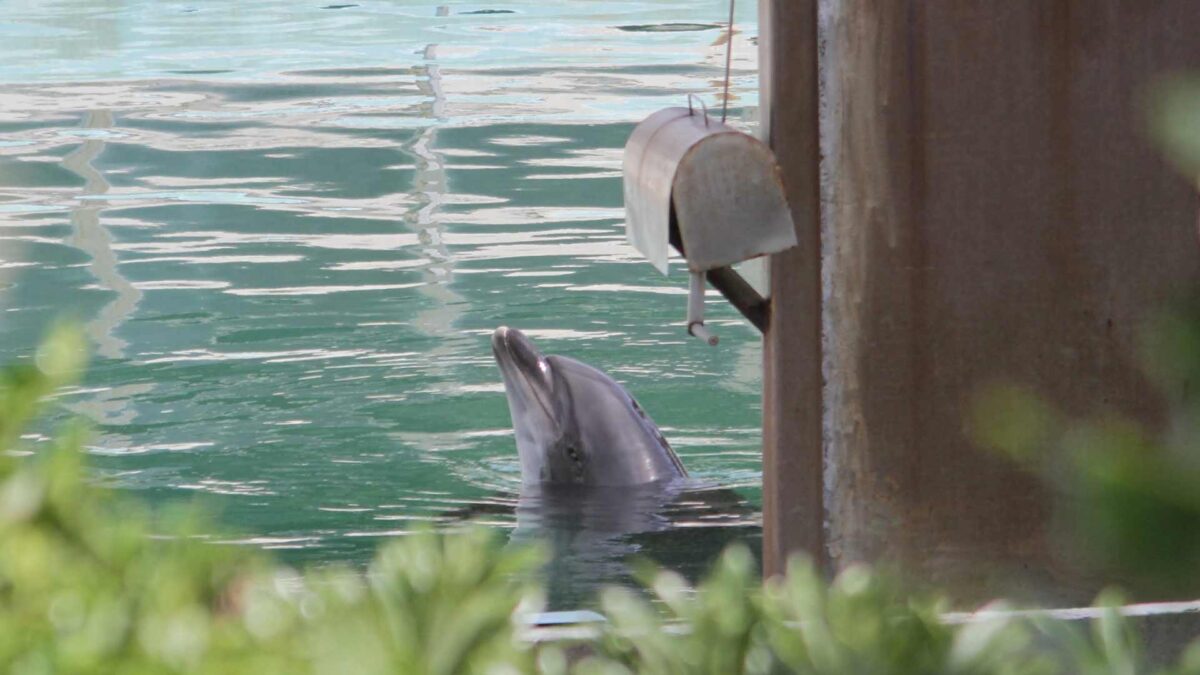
{"points": [[91, 581]]}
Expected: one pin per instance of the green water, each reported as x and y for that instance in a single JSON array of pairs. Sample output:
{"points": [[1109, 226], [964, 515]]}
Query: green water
{"points": [[289, 229]]}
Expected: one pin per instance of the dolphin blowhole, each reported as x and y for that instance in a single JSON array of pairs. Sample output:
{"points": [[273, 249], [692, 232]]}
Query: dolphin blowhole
{"points": [[576, 425]]}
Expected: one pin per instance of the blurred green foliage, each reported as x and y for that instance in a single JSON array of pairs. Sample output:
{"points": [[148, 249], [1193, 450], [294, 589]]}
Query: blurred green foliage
{"points": [[91, 581], [861, 623], [1174, 116], [1128, 498], [94, 582]]}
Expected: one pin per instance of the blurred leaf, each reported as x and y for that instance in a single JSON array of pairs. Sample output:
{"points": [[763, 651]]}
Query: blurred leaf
{"points": [[1012, 420], [62, 355], [24, 387], [1174, 116]]}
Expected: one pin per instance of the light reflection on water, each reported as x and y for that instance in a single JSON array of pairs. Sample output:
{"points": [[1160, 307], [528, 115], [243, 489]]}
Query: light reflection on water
{"points": [[289, 232]]}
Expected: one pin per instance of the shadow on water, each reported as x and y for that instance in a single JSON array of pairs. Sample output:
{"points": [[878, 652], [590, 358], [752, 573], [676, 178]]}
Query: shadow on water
{"points": [[595, 536], [669, 27]]}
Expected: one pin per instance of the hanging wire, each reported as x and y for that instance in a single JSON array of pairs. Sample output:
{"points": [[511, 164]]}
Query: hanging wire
{"points": [[728, 62]]}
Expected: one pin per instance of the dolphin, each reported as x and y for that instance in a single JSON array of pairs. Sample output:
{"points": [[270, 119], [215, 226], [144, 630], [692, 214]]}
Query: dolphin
{"points": [[574, 424]]}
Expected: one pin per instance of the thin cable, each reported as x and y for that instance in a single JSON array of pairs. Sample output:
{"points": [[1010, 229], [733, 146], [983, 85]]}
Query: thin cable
{"points": [[728, 62]]}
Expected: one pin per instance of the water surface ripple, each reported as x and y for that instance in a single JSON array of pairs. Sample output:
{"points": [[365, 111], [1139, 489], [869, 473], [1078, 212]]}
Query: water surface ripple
{"points": [[289, 229]]}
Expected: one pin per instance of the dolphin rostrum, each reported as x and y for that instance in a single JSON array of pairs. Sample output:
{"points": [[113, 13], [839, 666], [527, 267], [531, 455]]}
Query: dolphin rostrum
{"points": [[576, 425]]}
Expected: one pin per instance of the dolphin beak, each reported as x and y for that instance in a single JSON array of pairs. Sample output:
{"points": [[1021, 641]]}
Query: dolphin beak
{"points": [[529, 388], [522, 364], [511, 348]]}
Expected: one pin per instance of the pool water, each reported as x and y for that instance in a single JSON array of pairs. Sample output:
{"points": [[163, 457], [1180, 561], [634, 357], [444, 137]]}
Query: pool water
{"points": [[288, 230]]}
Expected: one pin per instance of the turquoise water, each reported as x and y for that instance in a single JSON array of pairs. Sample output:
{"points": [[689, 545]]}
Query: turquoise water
{"points": [[290, 228]]}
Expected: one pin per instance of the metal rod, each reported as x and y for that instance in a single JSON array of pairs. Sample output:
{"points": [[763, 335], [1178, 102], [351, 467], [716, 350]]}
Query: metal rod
{"points": [[703, 108], [695, 310], [698, 330], [728, 63], [742, 296]]}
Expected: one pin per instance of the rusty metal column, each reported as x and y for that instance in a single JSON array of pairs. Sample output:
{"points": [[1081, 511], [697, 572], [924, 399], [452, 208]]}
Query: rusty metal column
{"points": [[793, 512], [991, 209]]}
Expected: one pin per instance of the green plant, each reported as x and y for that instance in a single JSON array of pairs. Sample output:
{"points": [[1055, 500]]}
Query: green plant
{"points": [[864, 622], [1174, 121], [93, 582]]}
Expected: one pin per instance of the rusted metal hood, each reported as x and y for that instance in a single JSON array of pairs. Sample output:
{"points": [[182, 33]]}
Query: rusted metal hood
{"points": [[722, 186]]}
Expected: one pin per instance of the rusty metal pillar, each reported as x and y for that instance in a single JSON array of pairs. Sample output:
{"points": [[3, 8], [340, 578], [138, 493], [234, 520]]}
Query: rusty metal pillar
{"points": [[989, 208], [792, 467]]}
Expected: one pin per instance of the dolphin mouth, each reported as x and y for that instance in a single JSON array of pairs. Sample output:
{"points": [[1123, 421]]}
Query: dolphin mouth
{"points": [[526, 371], [511, 346]]}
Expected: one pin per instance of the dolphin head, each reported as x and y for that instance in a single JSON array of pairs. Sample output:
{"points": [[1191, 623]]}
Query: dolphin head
{"points": [[575, 424]]}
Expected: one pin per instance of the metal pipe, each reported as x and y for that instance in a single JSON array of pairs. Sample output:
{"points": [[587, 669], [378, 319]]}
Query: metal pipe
{"points": [[695, 310], [741, 295]]}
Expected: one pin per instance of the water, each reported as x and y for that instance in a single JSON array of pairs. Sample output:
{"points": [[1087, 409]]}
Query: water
{"points": [[289, 229]]}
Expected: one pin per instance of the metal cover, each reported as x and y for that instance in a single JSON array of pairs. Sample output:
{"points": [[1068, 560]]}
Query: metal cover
{"points": [[728, 196]]}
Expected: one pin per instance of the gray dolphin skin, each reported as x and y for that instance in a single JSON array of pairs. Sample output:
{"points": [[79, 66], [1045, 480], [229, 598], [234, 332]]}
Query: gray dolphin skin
{"points": [[576, 425]]}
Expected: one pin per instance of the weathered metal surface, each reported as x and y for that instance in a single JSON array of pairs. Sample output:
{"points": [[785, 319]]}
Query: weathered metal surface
{"points": [[744, 297], [723, 186], [793, 510], [648, 178], [990, 209]]}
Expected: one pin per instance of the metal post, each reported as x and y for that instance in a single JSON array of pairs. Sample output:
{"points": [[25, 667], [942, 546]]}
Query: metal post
{"points": [[793, 510]]}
